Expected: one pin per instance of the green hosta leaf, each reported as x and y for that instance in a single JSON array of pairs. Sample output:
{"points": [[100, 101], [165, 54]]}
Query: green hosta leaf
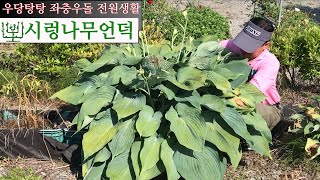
{"points": [[213, 102], [217, 80], [260, 144], [236, 122], [131, 60], [93, 104], [154, 49], [259, 124], [152, 172], [225, 142], [95, 172], [191, 77], [186, 110], [82, 63], [128, 104], [188, 78], [189, 130], [208, 49], [123, 139], [204, 63], [123, 73], [99, 134], [71, 94], [150, 151], [205, 165], [87, 120], [167, 159], [249, 90], [148, 121], [168, 92], [226, 73], [166, 51], [135, 151], [241, 67], [104, 60], [193, 98], [118, 168], [100, 115], [86, 165], [102, 156]]}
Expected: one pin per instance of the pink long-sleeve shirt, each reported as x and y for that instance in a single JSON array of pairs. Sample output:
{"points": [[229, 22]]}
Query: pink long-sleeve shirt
{"points": [[266, 66]]}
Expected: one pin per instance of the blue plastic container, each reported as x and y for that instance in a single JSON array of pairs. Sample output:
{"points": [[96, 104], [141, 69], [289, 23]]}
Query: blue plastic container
{"points": [[56, 134]]}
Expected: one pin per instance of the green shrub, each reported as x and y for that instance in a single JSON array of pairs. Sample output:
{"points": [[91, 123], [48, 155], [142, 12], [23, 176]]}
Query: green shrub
{"points": [[150, 109], [201, 21], [267, 8], [52, 60], [296, 44]]}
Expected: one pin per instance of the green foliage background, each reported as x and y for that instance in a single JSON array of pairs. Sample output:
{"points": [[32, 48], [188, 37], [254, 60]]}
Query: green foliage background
{"points": [[202, 21]]}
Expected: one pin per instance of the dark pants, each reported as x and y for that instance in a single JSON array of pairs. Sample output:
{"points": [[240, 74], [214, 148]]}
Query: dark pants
{"points": [[271, 114]]}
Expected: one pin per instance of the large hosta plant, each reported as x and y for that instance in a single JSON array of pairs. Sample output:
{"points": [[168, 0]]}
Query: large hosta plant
{"points": [[153, 109]]}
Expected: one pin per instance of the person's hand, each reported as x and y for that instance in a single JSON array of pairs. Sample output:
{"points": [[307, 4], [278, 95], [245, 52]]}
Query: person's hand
{"points": [[239, 102]]}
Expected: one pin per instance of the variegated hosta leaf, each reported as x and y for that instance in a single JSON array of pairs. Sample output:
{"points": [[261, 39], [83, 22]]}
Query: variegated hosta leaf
{"points": [[99, 134], [149, 155], [119, 169], [308, 128], [204, 165], [166, 155], [124, 138], [128, 104], [189, 130], [123, 73], [93, 104], [218, 81], [213, 102], [225, 142], [257, 121], [148, 122], [95, 171], [312, 148]]}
